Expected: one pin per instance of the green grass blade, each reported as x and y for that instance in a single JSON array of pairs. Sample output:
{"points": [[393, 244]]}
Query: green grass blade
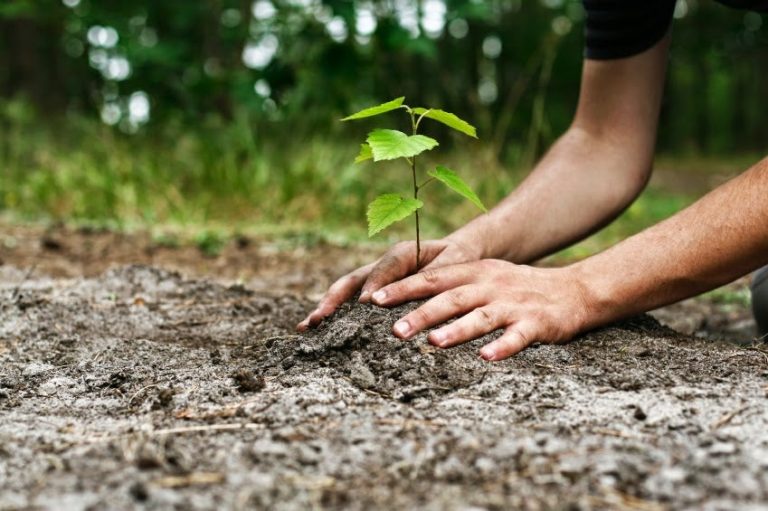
{"points": [[365, 153], [393, 144], [450, 179], [449, 119], [377, 110], [389, 208]]}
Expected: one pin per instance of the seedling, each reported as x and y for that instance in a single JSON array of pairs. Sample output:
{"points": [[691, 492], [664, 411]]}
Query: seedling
{"points": [[386, 144]]}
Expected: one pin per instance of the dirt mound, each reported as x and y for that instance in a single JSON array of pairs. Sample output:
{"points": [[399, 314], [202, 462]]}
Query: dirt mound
{"points": [[141, 388], [357, 344]]}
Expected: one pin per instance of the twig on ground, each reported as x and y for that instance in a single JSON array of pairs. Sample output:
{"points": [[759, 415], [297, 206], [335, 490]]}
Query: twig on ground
{"points": [[176, 431], [616, 433], [616, 499], [142, 389], [727, 418], [194, 479], [223, 412]]}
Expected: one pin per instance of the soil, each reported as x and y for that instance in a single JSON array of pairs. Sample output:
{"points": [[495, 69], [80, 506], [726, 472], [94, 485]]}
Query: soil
{"points": [[136, 387]]}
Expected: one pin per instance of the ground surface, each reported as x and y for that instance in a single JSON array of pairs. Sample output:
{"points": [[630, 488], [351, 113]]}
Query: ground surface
{"points": [[130, 386]]}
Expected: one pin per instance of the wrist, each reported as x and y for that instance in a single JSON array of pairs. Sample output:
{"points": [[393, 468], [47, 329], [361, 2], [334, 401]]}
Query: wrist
{"points": [[597, 293], [474, 238]]}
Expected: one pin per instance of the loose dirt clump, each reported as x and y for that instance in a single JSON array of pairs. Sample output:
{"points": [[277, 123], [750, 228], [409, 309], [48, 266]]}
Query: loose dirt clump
{"points": [[140, 388]]}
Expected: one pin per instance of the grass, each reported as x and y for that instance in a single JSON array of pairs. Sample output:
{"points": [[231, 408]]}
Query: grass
{"points": [[241, 177]]}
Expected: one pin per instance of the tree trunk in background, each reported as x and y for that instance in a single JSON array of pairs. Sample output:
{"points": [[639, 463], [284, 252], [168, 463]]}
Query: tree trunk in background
{"points": [[32, 54]]}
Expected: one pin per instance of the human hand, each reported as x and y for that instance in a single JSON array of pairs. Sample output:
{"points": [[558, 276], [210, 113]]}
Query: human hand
{"points": [[531, 305], [396, 264]]}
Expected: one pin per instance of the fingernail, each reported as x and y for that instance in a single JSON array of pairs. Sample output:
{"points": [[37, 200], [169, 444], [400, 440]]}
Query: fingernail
{"points": [[402, 328], [488, 353], [379, 296], [365, 296], [438, 336]]}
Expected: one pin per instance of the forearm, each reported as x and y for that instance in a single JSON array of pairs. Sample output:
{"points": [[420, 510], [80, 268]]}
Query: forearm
{"points": [[591, 174], [716, 240], [582, 184]]}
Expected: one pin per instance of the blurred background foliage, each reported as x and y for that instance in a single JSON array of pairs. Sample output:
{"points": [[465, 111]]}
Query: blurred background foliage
{"points": [[226, 110]]}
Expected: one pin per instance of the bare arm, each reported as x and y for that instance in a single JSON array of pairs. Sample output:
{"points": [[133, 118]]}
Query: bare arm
{"points": [[593, 172], [716, 240]]}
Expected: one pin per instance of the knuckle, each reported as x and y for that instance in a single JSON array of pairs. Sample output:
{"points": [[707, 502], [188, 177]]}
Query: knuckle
{"points": [[421, 316], [486, 318], [429, 276], [523, 337], [456, 298]]}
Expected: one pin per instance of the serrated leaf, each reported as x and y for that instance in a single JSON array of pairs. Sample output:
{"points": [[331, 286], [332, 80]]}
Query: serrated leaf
{"points": [[393, 144], [449, 119], [376, 110], [450, 179], [365, 153], [389, 208]]}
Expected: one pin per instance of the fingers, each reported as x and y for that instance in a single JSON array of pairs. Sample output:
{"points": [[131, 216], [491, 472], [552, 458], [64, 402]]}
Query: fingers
{"points": [[394, 265], [471, 326], [514, 340], [445, 306], [341, 291], [426, 283]]}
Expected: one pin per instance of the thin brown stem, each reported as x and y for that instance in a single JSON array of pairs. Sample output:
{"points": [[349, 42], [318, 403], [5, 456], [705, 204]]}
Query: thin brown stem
{"points": [[425, 183], [415, 126], [416, 196]]}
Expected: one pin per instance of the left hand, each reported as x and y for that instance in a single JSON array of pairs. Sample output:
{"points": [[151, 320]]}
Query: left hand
{"points": [[531, 305]]}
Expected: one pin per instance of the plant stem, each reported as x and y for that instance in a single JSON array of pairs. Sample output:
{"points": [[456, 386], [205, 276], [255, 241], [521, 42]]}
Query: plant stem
{"points": [[416, 196], [425, 183], [415, 126]]}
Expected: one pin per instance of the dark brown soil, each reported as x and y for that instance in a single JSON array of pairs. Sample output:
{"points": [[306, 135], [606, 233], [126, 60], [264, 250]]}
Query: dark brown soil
{"points": [[138, 388]]}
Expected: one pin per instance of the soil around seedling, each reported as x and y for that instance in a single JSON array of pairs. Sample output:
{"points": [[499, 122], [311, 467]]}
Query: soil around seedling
{"points": [[137, 387], [131, 386]]}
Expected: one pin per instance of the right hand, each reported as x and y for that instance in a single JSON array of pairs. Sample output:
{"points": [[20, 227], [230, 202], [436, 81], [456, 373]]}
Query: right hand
{"points": [[395, 265]]}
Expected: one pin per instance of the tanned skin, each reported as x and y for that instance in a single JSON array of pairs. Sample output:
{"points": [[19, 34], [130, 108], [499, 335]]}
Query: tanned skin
{"points": [[590, 175]]}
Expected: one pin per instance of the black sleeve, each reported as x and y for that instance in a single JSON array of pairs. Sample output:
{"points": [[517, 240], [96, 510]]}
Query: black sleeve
{"points": [[622, 28]]}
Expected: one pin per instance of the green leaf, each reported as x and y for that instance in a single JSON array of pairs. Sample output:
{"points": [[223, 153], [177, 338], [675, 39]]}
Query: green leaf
{"points": [[450, 179], [389, 208], [392, 144], [376, 110], [449, 119], [365, 153]]}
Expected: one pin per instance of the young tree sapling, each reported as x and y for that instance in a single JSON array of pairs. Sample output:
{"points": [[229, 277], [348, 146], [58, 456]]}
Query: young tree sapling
{"points": [[387, 144]]}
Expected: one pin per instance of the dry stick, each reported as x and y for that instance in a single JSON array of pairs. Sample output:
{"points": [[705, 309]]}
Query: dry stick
{"points": [[142, 389], [195, 478], [728, 417], [616, 433], [177, 431]]}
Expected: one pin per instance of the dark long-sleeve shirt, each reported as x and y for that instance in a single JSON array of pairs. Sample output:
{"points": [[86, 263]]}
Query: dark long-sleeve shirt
{"points": [[622, 28]]}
